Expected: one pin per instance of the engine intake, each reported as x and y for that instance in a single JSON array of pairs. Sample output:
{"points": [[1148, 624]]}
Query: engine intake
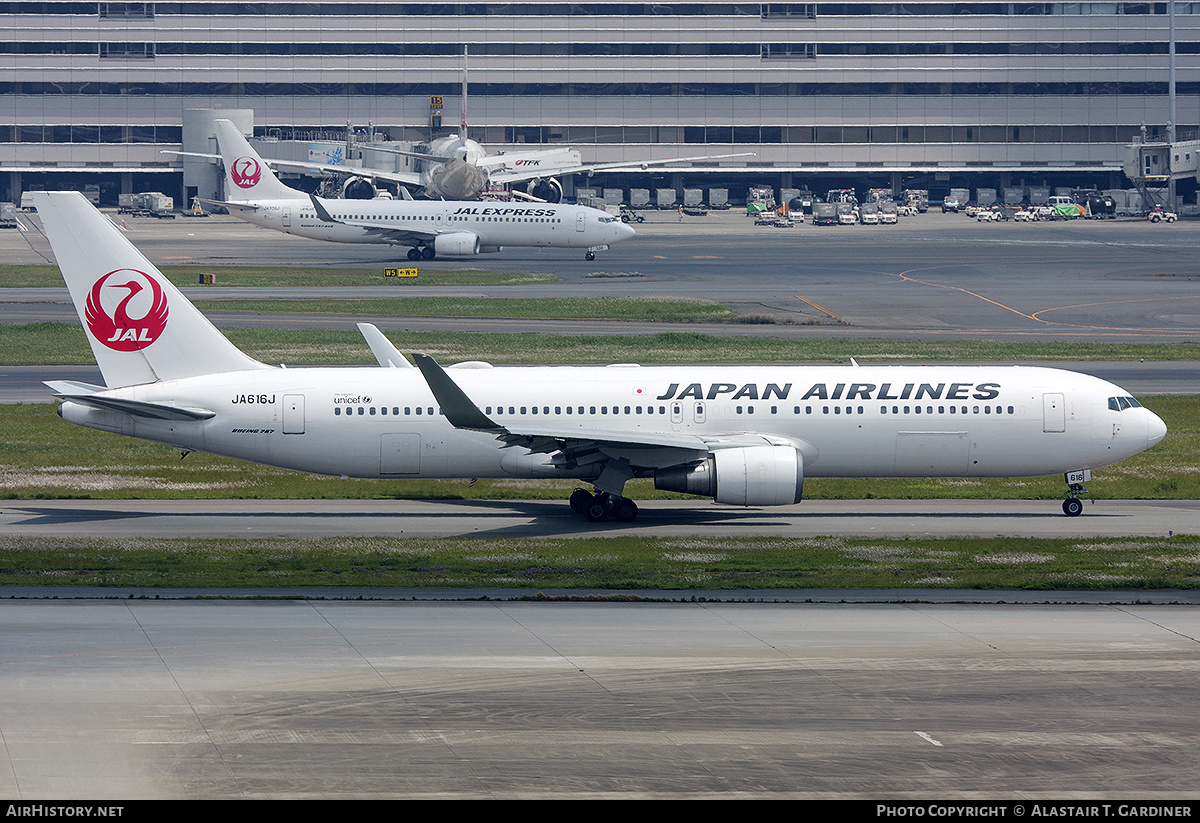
{"points": [[459, 243], [545, 188], [358, 188], [750, 476]]}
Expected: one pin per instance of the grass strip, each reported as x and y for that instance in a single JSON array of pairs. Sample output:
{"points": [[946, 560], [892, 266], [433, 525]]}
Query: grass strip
{"points": [[609, 563], [640, 309], [65, 344]]}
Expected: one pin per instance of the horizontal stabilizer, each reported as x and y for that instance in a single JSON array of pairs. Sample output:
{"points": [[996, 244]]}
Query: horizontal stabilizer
{"points": [[243, 207], [138, 408], [73, 387]]}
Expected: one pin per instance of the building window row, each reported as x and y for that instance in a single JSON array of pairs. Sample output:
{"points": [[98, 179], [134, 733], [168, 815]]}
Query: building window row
{"points": [[765, 51], [765, 11], [738, 135], [91, 134], [551, 90]]}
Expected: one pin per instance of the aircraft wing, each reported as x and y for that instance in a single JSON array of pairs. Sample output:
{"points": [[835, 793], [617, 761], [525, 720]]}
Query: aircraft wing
{"points": [[576, 446], [619, 454], [385, 353], [419, 155], [407, 178], [398, 234], [502, 177]]}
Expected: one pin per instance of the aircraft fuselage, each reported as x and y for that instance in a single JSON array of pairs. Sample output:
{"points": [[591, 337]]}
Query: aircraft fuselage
{"points": [[496, 224], [845, 421]]}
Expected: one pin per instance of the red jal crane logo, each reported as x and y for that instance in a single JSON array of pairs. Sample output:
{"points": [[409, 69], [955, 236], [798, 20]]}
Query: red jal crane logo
{"points": [[118, 329], [245, 172]]}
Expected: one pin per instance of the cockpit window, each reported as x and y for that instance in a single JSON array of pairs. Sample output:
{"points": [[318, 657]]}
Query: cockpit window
{"points": [[1122, 403], [607, 219]]}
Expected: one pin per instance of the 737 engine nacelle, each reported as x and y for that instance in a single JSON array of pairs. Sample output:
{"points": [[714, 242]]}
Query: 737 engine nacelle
{"points": [[750, 476], [358, 188], [545, 188], [459, 243]]}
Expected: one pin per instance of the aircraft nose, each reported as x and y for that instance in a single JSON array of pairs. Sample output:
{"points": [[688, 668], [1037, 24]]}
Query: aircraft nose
{"points": [[1156, 429], [624, 232]]}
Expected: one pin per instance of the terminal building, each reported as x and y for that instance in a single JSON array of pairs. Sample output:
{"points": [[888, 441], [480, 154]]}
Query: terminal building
{"points": [[928, 95]]}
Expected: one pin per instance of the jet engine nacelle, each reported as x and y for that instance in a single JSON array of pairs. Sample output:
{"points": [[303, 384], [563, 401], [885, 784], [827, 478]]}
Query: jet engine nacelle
{"points": [[750, 476], [358, 188], [545, 188], [459, 243]]}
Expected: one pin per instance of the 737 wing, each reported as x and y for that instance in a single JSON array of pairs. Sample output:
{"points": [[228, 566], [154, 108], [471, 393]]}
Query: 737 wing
{"points": [[399, 235], [406, 178]]}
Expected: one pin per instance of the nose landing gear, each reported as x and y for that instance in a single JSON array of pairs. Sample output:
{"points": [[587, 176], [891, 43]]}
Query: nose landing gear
{"points": [[1073, 506]]}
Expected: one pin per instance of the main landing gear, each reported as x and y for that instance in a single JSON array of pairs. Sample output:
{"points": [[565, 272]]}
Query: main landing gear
{"points": [[600, 506], [421, 253]]}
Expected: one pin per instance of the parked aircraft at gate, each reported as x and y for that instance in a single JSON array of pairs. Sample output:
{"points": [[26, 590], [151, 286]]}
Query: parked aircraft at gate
{"points": [[744, 435], [428, 227], [455, 167]]}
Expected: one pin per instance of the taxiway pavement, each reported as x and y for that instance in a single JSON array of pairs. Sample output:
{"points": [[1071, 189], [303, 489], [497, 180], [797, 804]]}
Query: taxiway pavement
{"points": [[931, 277], [140, 699], [541, 518]]}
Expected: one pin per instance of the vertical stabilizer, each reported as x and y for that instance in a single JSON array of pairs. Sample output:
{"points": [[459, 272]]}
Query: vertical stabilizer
{"points": [[247, 177], [141, 328]]}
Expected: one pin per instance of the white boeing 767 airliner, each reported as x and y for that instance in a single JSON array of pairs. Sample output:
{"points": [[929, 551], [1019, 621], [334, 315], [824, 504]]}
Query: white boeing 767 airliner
{"points": [[745, 435], [429, 227]]}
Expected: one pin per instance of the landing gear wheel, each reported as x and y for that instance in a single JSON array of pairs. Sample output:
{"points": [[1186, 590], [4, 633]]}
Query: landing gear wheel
{"points": [[580, 499], [414, 254], [595, 510], [590, 256], [625, 511], [1072, 507], [428, 253]]}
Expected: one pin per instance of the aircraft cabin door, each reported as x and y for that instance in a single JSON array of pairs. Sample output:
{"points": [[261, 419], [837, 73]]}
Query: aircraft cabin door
{"points": [[1054, 412], [287, 217], [400, 454], [293, 414], [580, 221]]}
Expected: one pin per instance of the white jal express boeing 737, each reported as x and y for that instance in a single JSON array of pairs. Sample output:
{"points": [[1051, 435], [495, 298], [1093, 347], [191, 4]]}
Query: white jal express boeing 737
{"points": [[428, 227], [746, 435]]}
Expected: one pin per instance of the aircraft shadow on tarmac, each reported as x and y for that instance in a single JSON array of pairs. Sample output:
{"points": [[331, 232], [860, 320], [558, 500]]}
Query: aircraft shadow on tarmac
{"points": [[490, 518]]}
